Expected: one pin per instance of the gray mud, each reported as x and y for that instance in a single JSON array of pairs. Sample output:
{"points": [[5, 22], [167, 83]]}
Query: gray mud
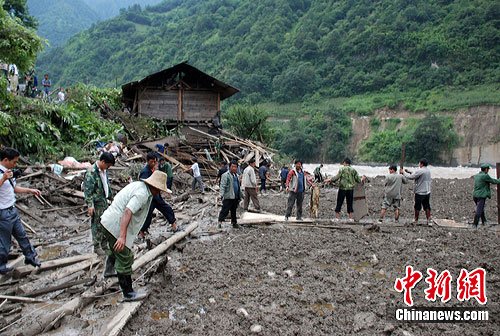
{"points": [[312, 281]]}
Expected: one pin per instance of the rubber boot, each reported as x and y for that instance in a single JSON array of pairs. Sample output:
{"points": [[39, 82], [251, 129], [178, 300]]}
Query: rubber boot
{"points": [[476, 221], [109, 267], [416, 217], [125, 281], [236, 225]]}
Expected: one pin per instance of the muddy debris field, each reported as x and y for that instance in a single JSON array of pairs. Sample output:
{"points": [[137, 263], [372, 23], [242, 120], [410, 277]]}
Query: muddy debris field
{"points": [[269, 277]]}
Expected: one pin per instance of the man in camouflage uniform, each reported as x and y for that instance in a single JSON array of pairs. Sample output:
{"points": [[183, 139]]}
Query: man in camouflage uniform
{"points": [[97, 192]]}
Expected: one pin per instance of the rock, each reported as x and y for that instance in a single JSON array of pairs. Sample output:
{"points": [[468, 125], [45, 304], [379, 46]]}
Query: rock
{"points": [[389, 328], [211, 300], [242, 312], [374, 260], [407, 333], [364, 320], [256, 328], [418, 250], [271, 274], [288, 273]]}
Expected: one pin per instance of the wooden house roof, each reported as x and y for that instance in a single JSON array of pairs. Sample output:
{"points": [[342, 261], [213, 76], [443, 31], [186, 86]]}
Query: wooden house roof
{"points": [[168, 78]]}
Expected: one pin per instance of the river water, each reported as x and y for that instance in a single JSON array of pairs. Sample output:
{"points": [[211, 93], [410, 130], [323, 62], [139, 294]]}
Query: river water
{"points": [[372, 171]]}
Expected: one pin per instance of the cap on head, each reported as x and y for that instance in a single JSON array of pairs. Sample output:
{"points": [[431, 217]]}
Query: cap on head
{"points": [[158, 180], [485, 166]]}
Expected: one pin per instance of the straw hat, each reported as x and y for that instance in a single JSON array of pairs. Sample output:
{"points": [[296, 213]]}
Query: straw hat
{"points": [[158, 180]]}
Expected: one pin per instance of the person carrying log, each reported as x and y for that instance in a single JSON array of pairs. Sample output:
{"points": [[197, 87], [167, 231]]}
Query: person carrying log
{"points": [[481, 192], [10, 222], [123, 221], [97, 191]]}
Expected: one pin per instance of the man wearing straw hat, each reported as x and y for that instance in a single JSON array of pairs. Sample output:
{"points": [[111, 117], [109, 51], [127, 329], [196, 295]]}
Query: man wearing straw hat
{"points": [[123, 220]]}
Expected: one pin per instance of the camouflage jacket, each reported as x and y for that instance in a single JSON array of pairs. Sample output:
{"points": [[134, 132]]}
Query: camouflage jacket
{"points": [[93, 188]]}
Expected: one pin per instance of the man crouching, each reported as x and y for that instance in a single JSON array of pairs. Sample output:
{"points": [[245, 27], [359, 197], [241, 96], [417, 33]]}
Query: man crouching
{"points": [[123, 220]]}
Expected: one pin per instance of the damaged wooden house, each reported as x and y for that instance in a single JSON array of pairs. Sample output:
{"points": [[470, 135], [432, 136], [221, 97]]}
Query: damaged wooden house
{"points": [[189, 100]]}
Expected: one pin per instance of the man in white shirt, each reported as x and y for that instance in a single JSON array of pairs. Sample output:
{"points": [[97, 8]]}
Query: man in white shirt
{"points": [[249, 184], [197, 176], [10, 223], [123, 221]]}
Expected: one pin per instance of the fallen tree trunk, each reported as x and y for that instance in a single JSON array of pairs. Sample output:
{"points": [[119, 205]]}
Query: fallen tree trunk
{"points": [[40, 324]]}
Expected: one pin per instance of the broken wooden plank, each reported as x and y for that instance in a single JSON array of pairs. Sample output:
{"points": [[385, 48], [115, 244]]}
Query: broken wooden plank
{"points": [[115, 326], [26, 212], [20, 299], [51, 264], [28, 226], [64, 208], [74, 192]]}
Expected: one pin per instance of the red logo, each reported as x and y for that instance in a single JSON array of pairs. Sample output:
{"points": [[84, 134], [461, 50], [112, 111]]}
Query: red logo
{"points": [[472, 285], [407, 283]]}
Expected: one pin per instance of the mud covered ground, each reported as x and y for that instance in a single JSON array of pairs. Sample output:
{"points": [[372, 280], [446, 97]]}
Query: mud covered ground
{"points": [[312, 281]]}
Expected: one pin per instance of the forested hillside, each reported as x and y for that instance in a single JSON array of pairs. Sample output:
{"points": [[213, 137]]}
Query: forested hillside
{"points": [[60, 19], [285, 50]]}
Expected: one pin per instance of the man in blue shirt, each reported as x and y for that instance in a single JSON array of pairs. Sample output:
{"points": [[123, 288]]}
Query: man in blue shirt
{"points": [[230, 192], [296, 183]]}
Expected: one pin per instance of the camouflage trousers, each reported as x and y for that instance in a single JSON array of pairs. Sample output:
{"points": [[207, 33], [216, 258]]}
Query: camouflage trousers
{"points": [[99, 240]]}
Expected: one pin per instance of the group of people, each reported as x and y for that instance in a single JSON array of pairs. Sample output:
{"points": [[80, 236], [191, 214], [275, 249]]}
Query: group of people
{"points": [[11, 73], [117, 220]]}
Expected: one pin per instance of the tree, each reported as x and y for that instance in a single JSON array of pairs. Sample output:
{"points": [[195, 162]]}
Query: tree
{"points": [[19, 9], [433, 136], [248, 122], [18, 44]]}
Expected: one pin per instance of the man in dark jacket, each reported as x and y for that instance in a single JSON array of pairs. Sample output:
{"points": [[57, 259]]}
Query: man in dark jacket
{"points": [[482, 182], [158, 202]]}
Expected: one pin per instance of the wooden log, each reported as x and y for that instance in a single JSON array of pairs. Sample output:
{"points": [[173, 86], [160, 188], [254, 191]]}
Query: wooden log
{"points": [[37, 173], [115, 326], [49, 289], [51, 264], [64, 208], [26, 212], [20, 299], [74, 192], [28, 226], [38, 325]]}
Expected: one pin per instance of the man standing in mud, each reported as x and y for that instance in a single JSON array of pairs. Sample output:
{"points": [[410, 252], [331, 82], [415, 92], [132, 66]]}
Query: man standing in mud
{"points": [[423, 180], [392, 192], [230, 193], [158, 202], [348, 178], [482, 182], [123, 220], [97, 191], [249, 183], [296, 184], [10, 223]]}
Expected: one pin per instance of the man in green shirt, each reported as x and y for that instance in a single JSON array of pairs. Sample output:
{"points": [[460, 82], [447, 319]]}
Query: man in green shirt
{"points": [[166, 167], [348, 178], [124, 219], [97, 191], [482, 182]]}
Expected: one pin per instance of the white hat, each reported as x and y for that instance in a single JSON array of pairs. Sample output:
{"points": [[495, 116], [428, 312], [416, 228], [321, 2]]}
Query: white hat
{"points": [[158, 180]]}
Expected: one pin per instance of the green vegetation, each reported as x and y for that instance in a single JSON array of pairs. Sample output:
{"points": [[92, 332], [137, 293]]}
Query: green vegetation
{"points": [[61, 19], [50, 131], [19, 43], [429, 138], [288, 51], [248, 122]]}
